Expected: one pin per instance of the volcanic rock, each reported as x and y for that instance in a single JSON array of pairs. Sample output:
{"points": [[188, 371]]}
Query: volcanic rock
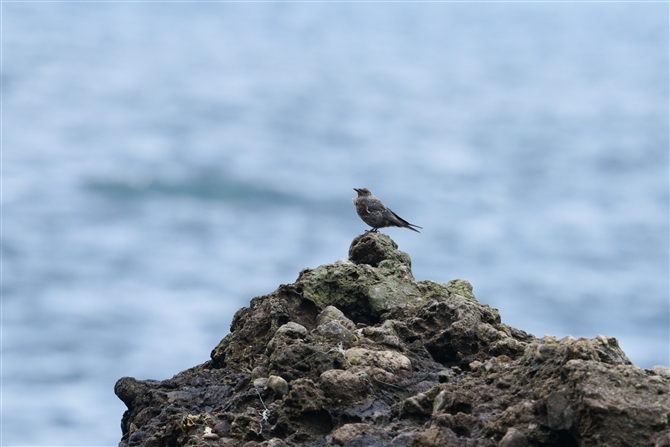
{"points": [[358, 353]]}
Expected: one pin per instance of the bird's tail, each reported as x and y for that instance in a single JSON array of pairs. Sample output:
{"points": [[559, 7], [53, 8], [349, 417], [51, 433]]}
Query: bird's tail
{"points": [[404, 224], [411, 227]]}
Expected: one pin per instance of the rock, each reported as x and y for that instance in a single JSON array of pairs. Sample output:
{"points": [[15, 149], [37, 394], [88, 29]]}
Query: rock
{"points": [[209, 434], [418, 408], [366, 441], [129, 390], [304, 397], [342, 385], [348, 432], [403, 440], [259, 371], [261, 382], [278, 385], [440, 401], [332, 313], [361, 291], [389, 361], [436, 437], [334, 330], [513, 438], [357, 353], [291, 330], [560, 415], [373, 248], [662, 439]]}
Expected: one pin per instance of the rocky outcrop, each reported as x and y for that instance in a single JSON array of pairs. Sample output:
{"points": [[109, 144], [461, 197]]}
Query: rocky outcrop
{"points": [[358, 353]]}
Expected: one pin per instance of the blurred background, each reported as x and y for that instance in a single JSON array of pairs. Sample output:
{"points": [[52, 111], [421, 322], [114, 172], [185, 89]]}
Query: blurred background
{"points": [[164, 163]]}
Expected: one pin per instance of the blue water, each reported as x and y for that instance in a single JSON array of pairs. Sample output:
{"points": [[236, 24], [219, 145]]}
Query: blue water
{"points": [[163, 163]]}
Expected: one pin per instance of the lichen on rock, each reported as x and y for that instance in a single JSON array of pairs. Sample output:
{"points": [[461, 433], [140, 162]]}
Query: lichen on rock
{"points": [[358, 353], [367, 290]]}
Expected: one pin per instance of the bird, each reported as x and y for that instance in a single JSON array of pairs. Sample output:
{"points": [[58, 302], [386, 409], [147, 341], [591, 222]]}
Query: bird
{"points": [[374, 213]]}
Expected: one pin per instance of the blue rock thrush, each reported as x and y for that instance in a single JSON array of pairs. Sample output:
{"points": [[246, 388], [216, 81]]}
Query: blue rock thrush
{"points": [[374, 212]]}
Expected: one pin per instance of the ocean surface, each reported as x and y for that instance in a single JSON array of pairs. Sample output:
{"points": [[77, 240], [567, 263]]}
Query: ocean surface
{"points": [[164, 163]]}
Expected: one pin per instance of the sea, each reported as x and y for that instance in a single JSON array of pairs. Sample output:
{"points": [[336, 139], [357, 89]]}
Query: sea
{"points": [[164, 162]]}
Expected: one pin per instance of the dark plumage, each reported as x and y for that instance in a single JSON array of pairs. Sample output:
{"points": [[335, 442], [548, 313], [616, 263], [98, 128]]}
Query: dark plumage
{"points": [[374, 212]]}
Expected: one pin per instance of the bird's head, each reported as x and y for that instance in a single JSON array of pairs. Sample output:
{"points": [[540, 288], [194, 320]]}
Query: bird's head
{"points": [[363, 192]]}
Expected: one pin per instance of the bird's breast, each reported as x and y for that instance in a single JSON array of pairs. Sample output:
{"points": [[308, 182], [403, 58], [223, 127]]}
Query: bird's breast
{"points": [[361, 207]]}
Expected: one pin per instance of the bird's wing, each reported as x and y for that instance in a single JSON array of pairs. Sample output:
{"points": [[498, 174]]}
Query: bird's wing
{"points": [[374, 205], [404, 222], [400, 219]]}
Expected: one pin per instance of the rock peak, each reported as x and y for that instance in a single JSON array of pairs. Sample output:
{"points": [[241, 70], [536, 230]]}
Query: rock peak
{"points": [[359, 353], [372, 248]]}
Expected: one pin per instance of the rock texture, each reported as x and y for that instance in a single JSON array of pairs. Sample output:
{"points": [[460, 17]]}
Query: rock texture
{"points": [[358, 353]]}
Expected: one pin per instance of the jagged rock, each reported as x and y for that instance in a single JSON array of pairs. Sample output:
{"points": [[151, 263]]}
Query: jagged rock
{"points": [[373, 248], [358, 353]]}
